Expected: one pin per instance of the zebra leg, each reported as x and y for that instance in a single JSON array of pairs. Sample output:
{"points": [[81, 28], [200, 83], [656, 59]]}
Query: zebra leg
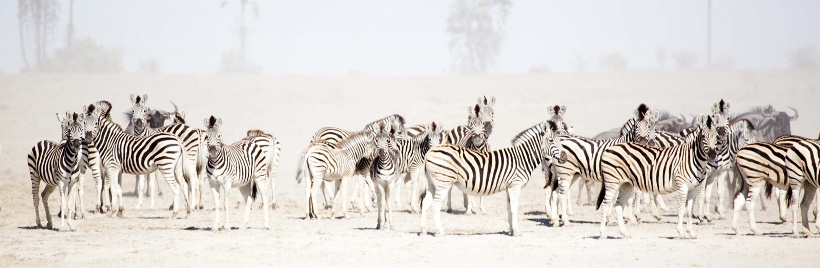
{"points": [[722, 180], [513, 194], [590, 185], [357, 186], [340, 187], [245, 192], [388, 224], [116, 193], [263, 181], [754, 194], [683, 192], [193, 181], [611, 191], [626, 191], [72, 199], [701, 199], [568, 206], [817, 204], [202, 182], [35, 189], [739, 201], [140, 189], [63, 205], [547, 199], [654, 206], [225, 193], [44, 195], [481, 205], [380, 200], [438, 195], [555, 218], [168, 172], [809, 192], [426, 201], [563, 197], [661, 205], [397, 190], [690, 202], [450, 200], [79, 212], [581, 184], [781, 205], [215, 187], [328, 194], [468, 204], [708, 198]]}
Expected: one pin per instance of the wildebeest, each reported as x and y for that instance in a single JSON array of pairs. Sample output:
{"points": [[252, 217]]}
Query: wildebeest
{"points": [[768, 122]]}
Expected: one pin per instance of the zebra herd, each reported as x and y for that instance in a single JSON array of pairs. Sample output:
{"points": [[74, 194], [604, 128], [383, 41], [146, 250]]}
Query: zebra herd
{"points": [[642, 163]]}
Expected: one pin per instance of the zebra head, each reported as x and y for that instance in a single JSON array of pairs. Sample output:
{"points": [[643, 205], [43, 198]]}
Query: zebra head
{"points": [[93, 114], [557, 116], [73, 128], [551, 143], [487, 113], [385, 141], [645, 121], [213, 130], [720, 115], [708, 137], [476, 125], [139, 113], [434, 134], [743, 132]]}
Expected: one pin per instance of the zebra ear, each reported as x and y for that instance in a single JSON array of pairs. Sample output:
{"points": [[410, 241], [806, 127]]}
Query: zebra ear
{"points": [[133, 99], [218, 122], [61, 119], [206, 121], [563, 109], [144, 98], [492, 101]]}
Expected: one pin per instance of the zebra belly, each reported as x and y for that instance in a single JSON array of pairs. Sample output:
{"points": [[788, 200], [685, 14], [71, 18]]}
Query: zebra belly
{"points": [[467, 187]]}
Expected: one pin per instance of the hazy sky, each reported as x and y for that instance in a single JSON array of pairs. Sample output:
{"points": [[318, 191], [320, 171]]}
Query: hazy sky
{"points": [[408, 37]]}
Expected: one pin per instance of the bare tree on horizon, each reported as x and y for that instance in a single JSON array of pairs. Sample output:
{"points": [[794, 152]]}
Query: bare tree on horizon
{"points": [[476, 29], [40, 16], [242, 28]]}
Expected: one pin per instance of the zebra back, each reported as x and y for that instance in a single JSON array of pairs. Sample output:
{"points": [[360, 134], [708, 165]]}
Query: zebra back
{"points": [[802, 163]]}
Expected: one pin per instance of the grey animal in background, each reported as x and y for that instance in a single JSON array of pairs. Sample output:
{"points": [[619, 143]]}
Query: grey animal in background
{"points": [[768, 122]]}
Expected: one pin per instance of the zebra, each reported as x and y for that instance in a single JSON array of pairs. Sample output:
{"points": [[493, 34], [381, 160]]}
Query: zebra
{"points": [[333, 135], [322, 162], [740, 134], [584, 158], [410, 159], [178, 117], [385, 172], [121, 152], [474, 135], [486, 173], [191, 140], [273, 160], [657, 171], [58, 165], [803, 169], [759, 164], [245, 164]]}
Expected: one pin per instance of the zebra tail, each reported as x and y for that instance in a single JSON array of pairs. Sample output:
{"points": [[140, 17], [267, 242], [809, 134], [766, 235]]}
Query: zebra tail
{"points": [[789, 197], [300, 170], [274, 162], [601, 195], [254, 191], [769, 188]]}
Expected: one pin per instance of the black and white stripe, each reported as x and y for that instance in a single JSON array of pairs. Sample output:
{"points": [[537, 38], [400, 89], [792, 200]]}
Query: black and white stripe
{"points": [[58, 165], [584, 158], [486, 173], [474, 136], [656, 171], [121, 152], [385, 173], [321, 162], [244, 164], [410, 160], [803, 169]]}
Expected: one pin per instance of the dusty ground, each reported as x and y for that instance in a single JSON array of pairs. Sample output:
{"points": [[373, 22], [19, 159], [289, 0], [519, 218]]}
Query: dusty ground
{"points": [[293, 107]]}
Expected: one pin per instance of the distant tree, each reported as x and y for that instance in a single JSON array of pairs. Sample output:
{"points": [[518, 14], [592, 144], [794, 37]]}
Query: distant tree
{"points": [[243, 4], [805, 58], [70, 29], [476, 29], [612, 62], [37, 18], [150, 66], [83, 56], [685, 59], [660, 55]]}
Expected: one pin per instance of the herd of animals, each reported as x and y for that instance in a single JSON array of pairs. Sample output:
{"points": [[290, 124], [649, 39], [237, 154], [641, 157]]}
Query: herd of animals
{"points": [[652, 154]]}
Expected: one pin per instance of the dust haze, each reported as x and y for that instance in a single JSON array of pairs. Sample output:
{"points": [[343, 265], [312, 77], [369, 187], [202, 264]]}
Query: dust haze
{"points": [[292, 67]]}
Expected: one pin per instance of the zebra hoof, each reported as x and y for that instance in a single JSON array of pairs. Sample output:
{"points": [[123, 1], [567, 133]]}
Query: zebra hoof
{"points": [[49, 226]]}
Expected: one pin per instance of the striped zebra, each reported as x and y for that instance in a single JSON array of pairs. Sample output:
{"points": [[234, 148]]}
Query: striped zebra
{"points": [[474, 136], [410, 160], [121, 152], [486, 173], [178, 117], [385, 173], [657, 171], [333, 135], [740, 134], [58, 165], [191, 139], [273, 160], [584, 158], [803, 169], [322, 162], [760, 164], [245, 164]]}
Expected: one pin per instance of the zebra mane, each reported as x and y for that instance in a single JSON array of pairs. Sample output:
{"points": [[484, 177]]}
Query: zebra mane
{"points": [[533, 132], [211, 122], [391, 119], [256, 133], [722, 106], [353, 140]]}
